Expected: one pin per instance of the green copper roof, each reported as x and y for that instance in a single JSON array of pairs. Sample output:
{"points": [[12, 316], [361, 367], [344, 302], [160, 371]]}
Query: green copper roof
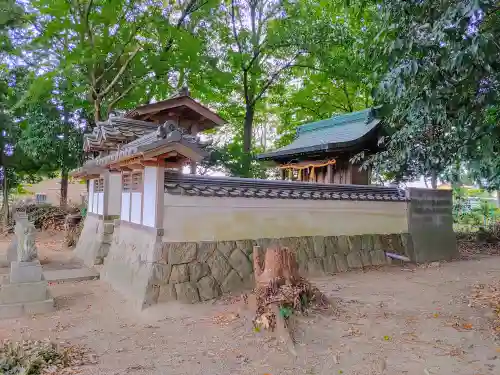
{"points": [[335, 133]]}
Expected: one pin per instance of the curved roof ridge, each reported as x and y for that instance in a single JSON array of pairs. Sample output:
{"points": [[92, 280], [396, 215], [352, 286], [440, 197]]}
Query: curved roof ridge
{"points": [[337, 133], [339, 119]]}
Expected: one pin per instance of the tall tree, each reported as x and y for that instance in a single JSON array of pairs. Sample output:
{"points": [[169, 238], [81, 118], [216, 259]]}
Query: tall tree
{"points": [[336, 75], [255, 43], [442, 80], [115, 53], [50, 136]]}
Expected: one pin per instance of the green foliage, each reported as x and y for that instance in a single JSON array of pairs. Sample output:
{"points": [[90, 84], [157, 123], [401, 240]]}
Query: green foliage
{"points": [[442, 81], [47, 138], [335, 76], [266, 67], [482, 215], [229, 159], [11, 17], [118, 53], [285, 311]]}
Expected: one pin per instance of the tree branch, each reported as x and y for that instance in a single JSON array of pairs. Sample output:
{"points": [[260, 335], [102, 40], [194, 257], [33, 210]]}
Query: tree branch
{"points": [[190, 9], [132, 35], [310, 109], [120, 73], [273, 78], [245, 86], [344, 88], [235, 34], [120, 97]]}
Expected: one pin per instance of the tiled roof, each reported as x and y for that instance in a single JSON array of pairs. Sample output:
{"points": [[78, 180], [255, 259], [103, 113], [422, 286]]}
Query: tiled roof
{"points": [[334, 133], [115, 131], [179, 184], [163, 136], [179, 102]]}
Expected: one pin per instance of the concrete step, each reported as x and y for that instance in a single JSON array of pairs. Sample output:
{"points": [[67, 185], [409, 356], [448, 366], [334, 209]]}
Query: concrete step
{"points": [[76, 274], [23, 292], [15, 310]]}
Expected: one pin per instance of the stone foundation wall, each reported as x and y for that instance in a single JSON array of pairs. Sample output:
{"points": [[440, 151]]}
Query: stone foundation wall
{"points": [[95, 240], [192, 272]]}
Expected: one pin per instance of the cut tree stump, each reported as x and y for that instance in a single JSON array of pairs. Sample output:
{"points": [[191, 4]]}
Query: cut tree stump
{"points": [[280, 267], [280, 292]]}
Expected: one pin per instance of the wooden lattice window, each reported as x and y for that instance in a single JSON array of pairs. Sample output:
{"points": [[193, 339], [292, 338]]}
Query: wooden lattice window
{"points": [[98, 185], [137, 181], [126, 182]]}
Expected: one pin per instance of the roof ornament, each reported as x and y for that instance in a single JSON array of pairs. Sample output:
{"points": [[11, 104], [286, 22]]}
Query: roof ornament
{"points": [[371, 116], [170, 130], [183, 91], [167, 128]]}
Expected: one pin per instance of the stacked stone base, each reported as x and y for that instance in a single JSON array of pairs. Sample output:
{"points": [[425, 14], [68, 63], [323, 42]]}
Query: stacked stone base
{"points": [[25, 291], [194, 272], [95, 240], [148, 271]]}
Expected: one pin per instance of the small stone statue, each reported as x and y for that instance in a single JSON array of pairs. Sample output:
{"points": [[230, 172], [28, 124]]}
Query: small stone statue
{"points": [[26, 248]]}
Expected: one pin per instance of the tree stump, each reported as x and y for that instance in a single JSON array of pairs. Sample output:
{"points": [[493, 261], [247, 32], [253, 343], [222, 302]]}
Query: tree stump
{"points": [[280, 292], [279, 267]]}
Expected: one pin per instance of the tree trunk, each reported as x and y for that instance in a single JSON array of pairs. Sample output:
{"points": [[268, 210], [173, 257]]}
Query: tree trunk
{"points": [[434, 180], [278, 267], [64, 187], [5, 199], [64, 153], [97, 111], [498, 198], [247, 141]]}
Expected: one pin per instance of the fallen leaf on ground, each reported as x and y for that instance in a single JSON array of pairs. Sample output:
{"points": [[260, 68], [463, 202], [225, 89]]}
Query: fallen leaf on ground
{"points": [[467, 325]]}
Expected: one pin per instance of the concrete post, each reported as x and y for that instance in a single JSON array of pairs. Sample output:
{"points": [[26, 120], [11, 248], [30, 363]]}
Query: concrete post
{"points": [[430, 224]]}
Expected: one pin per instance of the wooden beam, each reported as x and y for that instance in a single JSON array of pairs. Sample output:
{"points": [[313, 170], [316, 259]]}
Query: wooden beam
{"points": [[153, 163], [175, 164], [91, 176], [135, 166]]}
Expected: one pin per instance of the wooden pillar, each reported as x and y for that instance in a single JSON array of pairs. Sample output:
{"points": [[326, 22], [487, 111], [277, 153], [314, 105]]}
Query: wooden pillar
{"points": [[329, 174], [192, 167], [320, 176], [349, 173], [282, 174]]}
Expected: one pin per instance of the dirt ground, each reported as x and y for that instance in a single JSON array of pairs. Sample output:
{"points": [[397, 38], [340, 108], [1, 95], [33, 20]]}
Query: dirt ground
{"points": [[391, 321]]}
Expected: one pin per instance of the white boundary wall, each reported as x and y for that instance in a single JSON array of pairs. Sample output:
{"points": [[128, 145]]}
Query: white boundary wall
{"points": [[195, 218]]}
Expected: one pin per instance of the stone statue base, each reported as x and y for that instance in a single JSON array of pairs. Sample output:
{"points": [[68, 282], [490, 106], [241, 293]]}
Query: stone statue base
{"points": [[25, 272], [25, 291]]}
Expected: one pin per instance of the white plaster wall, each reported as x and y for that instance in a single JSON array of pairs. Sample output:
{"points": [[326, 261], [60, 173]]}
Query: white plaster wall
{"points": [[113, 189], [90, 196], [100, 206], [95, 202], [188, 218], [136, 212], [125, 207], [149, 208]]}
